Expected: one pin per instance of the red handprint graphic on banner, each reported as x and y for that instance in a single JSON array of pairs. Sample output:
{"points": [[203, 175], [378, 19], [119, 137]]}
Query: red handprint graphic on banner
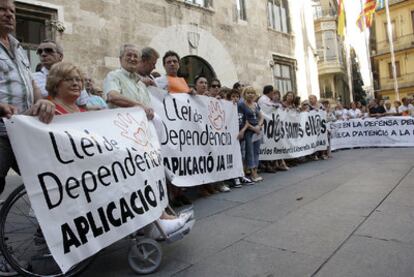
{"points": [[217, 115], [132, 129]]}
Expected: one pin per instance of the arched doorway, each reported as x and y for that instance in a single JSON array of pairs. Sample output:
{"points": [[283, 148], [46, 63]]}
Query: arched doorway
{"points": [[192, 66]]}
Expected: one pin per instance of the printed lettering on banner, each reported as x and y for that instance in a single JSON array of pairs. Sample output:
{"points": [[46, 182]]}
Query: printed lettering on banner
{"points": [[92, 178], [397, 131], [289, 134], [198, 136]]}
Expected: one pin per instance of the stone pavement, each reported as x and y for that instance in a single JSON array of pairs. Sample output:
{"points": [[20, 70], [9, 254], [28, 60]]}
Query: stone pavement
{"points": [[352, 215]]}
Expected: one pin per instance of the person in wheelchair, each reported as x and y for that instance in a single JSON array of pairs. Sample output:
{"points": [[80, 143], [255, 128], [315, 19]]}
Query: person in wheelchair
{"points": [[64, 84]]}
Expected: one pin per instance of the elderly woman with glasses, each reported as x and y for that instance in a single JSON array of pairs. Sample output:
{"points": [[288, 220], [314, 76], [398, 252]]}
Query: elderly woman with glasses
{"points": [[64, 85]]}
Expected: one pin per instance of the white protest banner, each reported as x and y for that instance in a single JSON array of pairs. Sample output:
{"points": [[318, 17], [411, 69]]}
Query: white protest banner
{"points": [[289, 134], [372, 132], [198, 136], [92, 178]]}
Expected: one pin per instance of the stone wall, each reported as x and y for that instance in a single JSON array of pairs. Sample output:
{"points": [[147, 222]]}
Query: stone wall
{"points": [[237, 50]]}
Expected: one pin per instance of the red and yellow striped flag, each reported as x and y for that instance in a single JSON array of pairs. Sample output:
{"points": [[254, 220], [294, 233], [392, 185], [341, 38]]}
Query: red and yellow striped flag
{"points": [[341, 18], [368, 12]]}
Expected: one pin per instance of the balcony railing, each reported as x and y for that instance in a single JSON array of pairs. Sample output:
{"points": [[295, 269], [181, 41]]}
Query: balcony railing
{"points": [[330, 67], [319, 13], [406, 80], [392, 2], [400, 43]]}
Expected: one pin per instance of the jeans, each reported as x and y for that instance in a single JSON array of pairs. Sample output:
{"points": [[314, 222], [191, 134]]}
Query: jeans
{"points": [[243, 149], [252, 150]]}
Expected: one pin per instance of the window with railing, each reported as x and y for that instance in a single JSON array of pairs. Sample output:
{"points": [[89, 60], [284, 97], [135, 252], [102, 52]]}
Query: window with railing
{"points": [[278, 15], [317, 11]]}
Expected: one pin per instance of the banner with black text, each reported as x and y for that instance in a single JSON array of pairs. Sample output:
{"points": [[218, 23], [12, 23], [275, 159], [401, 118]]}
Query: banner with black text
{"points": [[289, 134], [198, 136], [373, 132], [92, 178]]}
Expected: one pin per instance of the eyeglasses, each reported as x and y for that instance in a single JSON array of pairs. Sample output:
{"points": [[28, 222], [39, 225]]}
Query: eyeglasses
{"points": [[47, 51], [73, 80], [215, 86]]}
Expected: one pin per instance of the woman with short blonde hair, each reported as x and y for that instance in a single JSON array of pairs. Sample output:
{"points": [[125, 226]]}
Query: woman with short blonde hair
{"points": [[64, 85], [253, 135]]}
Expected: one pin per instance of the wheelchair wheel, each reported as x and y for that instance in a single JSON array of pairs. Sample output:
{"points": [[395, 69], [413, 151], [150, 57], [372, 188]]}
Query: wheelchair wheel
{"points": [[21, 240], [145, 256]]}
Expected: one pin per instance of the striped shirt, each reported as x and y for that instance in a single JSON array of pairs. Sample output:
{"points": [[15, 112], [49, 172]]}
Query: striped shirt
{"points": [[128, 85], [15, 78]]}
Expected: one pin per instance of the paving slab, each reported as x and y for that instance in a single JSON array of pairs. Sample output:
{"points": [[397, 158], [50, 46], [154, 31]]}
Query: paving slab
{"points": [[209, 206], [309, 233], [245, 259], [369, 257], [276, 205], [397, 227], [210, 236], [394, 218], [343, 203], [408, 181], [402, 196]]}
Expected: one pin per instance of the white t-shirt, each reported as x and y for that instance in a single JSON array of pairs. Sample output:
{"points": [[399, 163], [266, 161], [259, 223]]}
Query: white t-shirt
{"points": [[162, 82], [354, 113], [341, 114], [391, 110], [265, 101], [403, 108]]}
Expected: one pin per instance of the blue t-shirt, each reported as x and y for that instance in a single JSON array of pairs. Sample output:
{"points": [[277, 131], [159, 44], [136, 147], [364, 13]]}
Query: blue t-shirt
{"points": [[252, 116]]}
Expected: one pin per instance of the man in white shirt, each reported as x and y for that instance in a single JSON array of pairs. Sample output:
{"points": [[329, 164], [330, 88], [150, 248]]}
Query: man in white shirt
{"points": [[50, 53], [406, 108], [123, 87], [390, 110], [314, 105], [354, 112], [266, 99]]}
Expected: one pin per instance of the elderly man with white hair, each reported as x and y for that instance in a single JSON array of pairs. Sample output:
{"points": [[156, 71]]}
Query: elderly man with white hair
{"points": [[123, 87]]}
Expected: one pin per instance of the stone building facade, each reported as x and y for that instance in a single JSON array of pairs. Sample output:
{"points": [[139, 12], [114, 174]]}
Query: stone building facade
{"points": [[257, 42], [332, 66], [402, 25]]}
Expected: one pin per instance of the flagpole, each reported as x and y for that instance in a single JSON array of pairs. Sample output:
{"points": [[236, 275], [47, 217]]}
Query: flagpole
{"points": [[364, 25], [349, 70], [389, 31]]}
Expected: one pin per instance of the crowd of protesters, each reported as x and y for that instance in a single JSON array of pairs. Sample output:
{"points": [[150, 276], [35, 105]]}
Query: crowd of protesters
{"points": [[128, 87], [58, 88]]}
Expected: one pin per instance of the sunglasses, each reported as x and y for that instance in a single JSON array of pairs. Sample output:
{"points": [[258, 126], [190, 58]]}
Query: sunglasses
{"points": [[215, 86], [47, 51]]}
